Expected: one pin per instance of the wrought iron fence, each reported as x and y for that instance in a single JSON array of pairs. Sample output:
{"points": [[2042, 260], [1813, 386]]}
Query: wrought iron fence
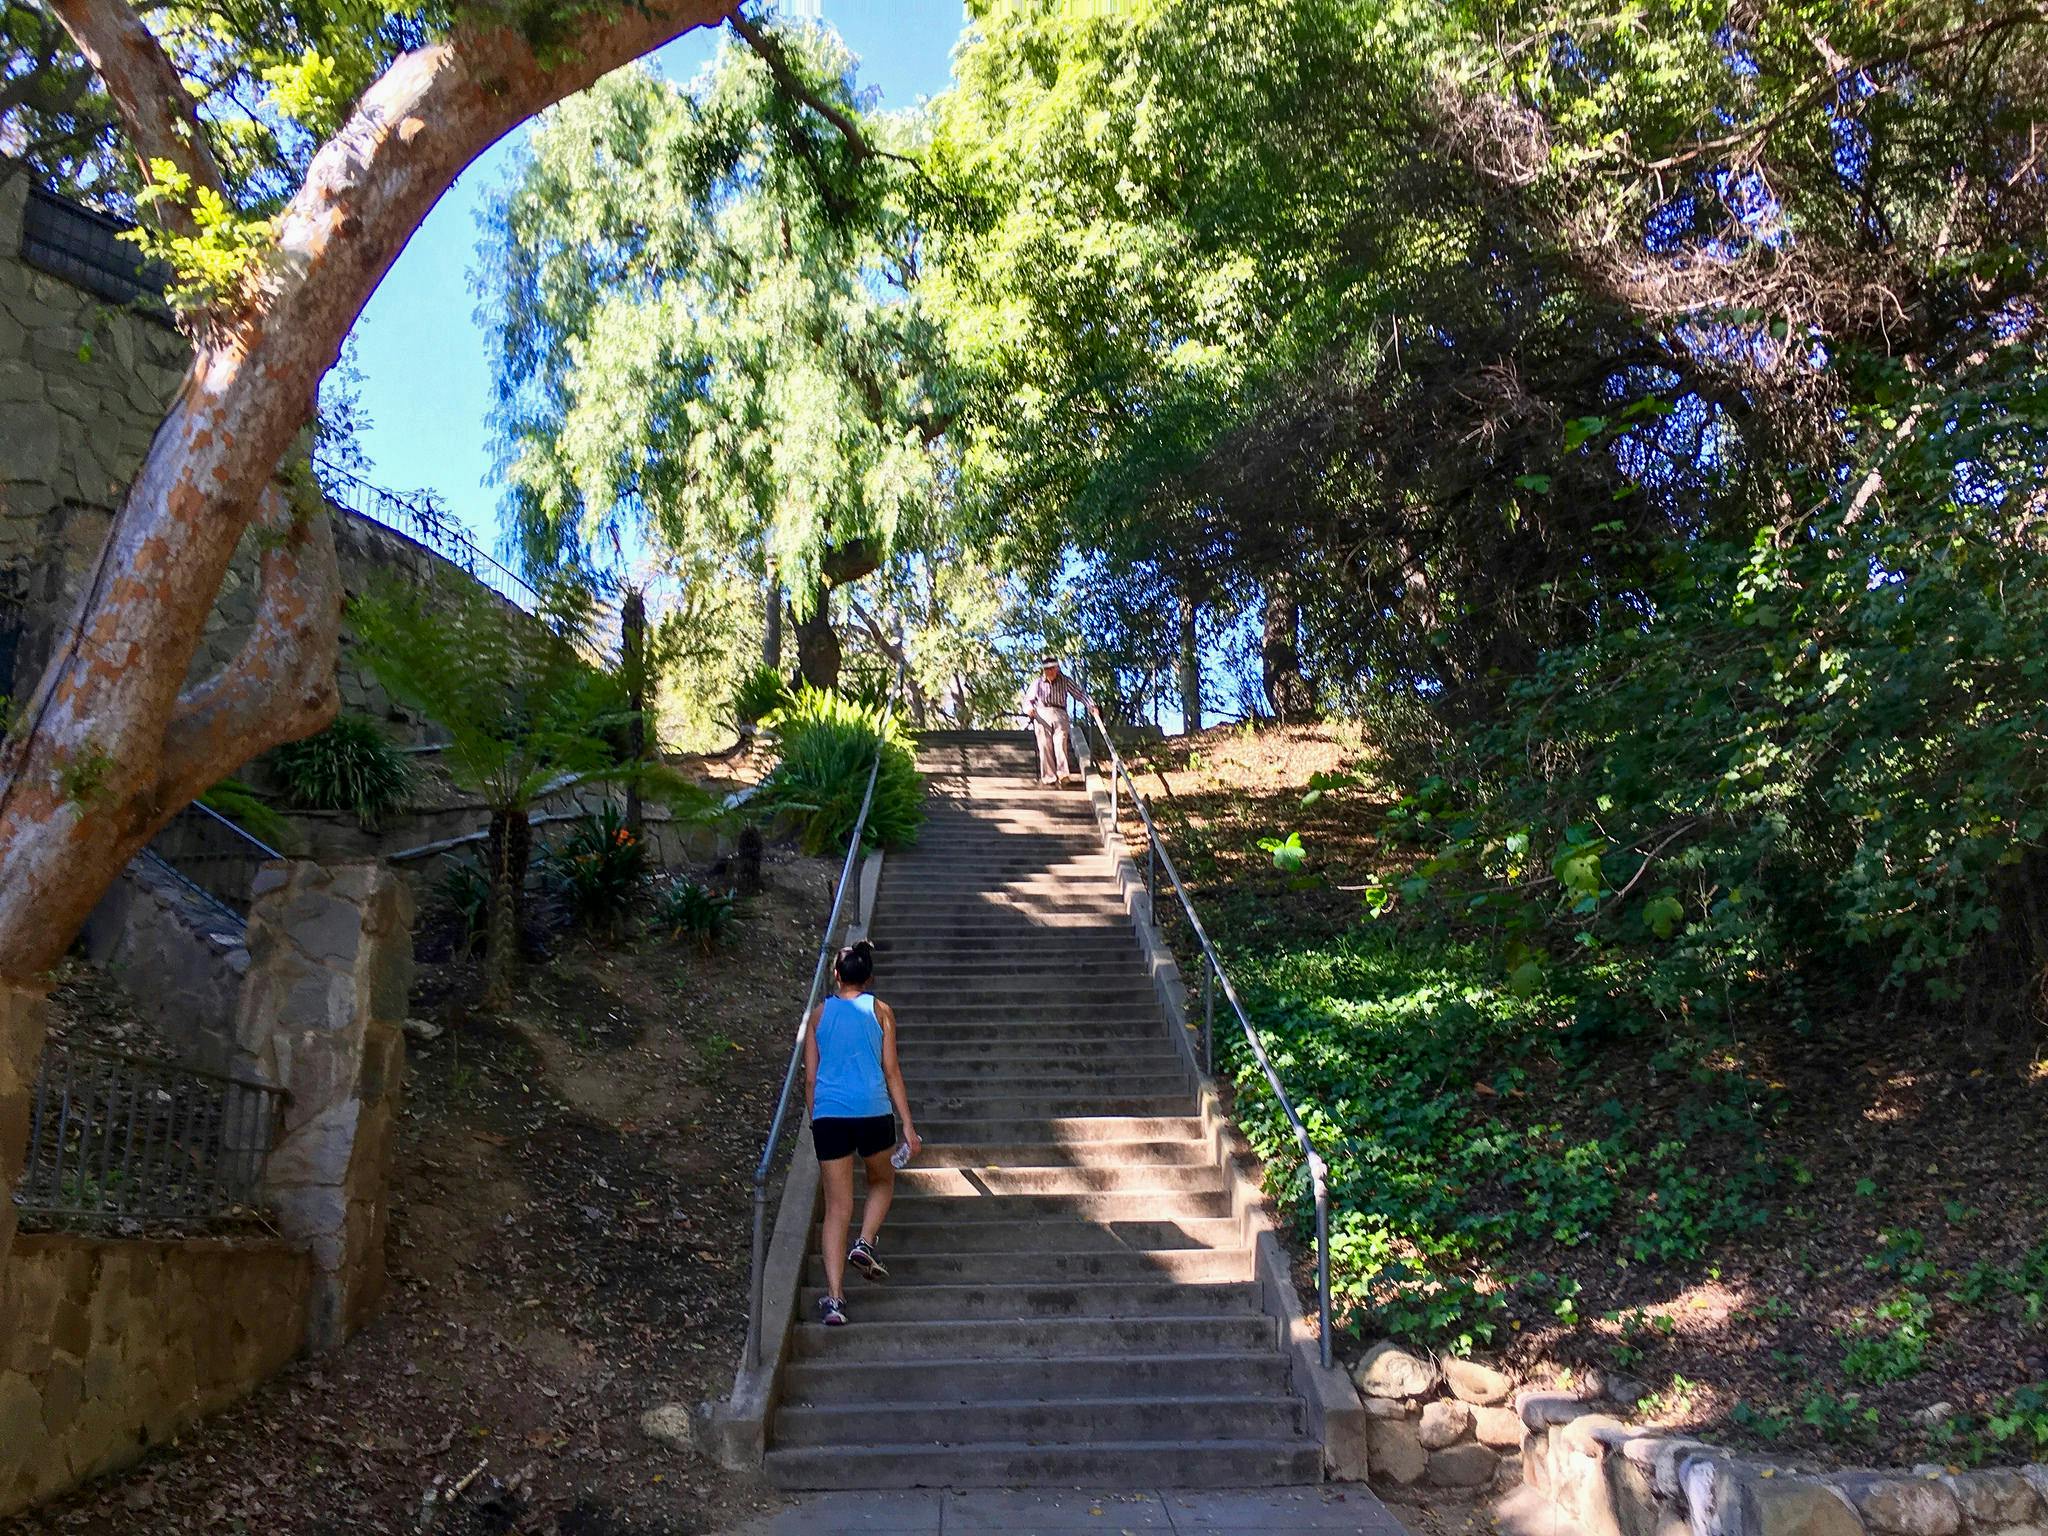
{"points": [[85, 248], [214, 857], [115, 1138]]}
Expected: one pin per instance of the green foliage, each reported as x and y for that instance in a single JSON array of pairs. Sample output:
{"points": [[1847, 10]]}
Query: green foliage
{"points": [[1890, 1343], [1400, 1053], [760, 694], [828, 746], [690, 909], [524, 711], [2014, 1427], [248, 810], [350, 766], [464, 888], [597, 870], [1842, 1419]]}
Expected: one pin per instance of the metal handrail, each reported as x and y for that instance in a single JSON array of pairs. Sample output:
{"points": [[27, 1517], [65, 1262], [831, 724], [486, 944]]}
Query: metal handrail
{"points": [[1214, 976], [796, 1050]]}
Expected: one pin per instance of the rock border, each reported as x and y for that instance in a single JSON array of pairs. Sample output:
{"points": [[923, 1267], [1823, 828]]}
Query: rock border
{"points": [[1459, 1425]]}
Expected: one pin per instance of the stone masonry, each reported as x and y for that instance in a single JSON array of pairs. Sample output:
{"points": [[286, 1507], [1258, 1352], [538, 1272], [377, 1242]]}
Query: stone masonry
{"points": [[118, 1344], [323, 1013], [83, 387]]}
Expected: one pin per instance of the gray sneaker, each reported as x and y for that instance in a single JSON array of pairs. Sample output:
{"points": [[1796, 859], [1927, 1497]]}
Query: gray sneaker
{"points": [[862, 1256], [831, 1311]]}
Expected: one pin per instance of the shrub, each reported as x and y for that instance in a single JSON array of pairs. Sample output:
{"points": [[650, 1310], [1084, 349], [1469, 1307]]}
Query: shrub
{"points": [[350, 766], [240, 804], [760, 694], [828, 745], [465, 888], [691, 909], [598, 870]]}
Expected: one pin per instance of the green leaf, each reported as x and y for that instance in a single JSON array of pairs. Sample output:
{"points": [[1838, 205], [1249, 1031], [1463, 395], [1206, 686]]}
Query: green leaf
{"points": [[1662, 914]]}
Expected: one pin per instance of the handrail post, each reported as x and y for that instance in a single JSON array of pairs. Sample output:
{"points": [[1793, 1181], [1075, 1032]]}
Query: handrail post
{"points": [[1319, 1173], [1208, 1017]]}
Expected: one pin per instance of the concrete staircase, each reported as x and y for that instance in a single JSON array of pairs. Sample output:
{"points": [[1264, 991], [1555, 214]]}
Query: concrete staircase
{"points": [[1071, 1300]]}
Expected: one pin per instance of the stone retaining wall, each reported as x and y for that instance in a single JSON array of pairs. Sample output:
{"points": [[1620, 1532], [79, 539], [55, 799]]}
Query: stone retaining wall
{"points": [[1450, 1425], [115, 1346], [1618, 1481], [178, 959], [83, 386]]}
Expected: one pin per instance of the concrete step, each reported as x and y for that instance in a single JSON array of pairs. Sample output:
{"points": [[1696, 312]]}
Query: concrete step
{"points": [[1003, 923], [1082, 1378], [1132, 1178], [936, 1022], [900, 907], [963, 1106], [1015, 1303], [1037, 1338], [1080, 992], [1274, 1417], [1189, 1266], [1148, 1053], [1001, 1464], [948, 1080], [1065, 1133], [1014, 1157], [1047, 946], [1169, 1205], [1038, 1235]]}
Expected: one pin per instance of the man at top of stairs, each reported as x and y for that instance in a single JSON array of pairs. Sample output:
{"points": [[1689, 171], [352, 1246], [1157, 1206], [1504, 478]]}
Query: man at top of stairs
{"points": [[1045, 707]]}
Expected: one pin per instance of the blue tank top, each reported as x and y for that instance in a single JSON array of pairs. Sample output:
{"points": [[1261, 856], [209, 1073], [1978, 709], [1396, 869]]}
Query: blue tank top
{"points": [[850, 1081]]}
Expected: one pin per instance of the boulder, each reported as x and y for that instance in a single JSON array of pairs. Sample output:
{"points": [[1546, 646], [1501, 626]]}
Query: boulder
{"points": [[1445, 1422], [1932, 1415], [1593, 1434], [1500, 1428], [1903, 1506], [1791, 1506], [1463, 1466], [1476, 1383], [1394, 1452], [1388, 1370], [1546, 1410], [672, 1424], [1993, 1498], [1390, 1408]]}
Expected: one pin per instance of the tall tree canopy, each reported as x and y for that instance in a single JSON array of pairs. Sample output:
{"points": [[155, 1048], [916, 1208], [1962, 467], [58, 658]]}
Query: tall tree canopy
{"points": [[705, 333]]}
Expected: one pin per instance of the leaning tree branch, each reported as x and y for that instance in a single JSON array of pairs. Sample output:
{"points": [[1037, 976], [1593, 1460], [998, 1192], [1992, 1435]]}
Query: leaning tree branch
{"points": [[158, 113], [281, 684]]}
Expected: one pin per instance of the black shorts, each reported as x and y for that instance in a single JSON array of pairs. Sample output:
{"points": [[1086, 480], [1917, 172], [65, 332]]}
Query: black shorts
{"points": [[837, 1136]]}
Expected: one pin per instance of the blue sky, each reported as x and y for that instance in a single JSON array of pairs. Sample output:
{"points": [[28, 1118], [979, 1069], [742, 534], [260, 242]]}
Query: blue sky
{"points": [[426, 384]]}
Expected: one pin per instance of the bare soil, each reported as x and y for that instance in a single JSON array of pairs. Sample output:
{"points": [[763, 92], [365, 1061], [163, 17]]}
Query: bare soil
{"points": [[1895, 1117], [569, 1247]]}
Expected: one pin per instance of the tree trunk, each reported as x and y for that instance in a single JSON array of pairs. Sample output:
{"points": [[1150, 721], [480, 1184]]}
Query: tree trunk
{"points": [[633, 653], [511, 845], [771, 626], [1190, 668], [110, 744], [746, 861], [817, 647], [509, 851], [1289, 693]]}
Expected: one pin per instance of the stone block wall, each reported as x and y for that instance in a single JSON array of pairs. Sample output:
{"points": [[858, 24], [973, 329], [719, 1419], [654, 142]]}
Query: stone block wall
{"points": [[117, 1345], [177, 958], [83, 387], [323, 1016], [1437, 1425], [1613, 1480]]}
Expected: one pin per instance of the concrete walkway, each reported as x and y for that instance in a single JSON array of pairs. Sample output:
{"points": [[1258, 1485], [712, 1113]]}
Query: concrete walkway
{"points": [[1048, 1512]]}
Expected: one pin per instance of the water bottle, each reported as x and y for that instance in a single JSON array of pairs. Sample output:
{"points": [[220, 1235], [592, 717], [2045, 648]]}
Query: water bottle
{"points": [[900, 1158]]}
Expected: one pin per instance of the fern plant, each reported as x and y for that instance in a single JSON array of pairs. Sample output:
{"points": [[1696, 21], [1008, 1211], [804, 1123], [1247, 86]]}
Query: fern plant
{"points": [[350, 766], [598, 871], [759, 694], [691, 909]]}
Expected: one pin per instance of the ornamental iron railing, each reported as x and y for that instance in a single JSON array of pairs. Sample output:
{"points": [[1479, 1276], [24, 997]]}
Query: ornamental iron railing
{"points": [[115, 1140]]}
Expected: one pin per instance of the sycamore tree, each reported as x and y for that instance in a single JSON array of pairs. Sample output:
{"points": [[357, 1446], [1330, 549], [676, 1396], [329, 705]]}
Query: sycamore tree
{"points": [[702, 299]]}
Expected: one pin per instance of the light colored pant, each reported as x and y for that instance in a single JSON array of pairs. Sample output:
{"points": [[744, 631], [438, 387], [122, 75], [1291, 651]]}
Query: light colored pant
{"points": [[1054, 729]]}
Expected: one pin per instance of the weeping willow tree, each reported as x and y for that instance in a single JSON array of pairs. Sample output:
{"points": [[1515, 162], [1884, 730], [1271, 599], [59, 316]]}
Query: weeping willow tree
{"points": [[705, 343]]}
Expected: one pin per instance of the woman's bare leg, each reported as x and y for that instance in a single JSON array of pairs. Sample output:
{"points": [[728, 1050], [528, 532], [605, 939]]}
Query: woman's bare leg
{"points": [[838, 1179], [881, 1190]]}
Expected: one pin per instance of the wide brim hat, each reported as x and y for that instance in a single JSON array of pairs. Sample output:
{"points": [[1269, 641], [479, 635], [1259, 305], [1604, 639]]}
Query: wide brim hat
{"points": [[1048, 661]]}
